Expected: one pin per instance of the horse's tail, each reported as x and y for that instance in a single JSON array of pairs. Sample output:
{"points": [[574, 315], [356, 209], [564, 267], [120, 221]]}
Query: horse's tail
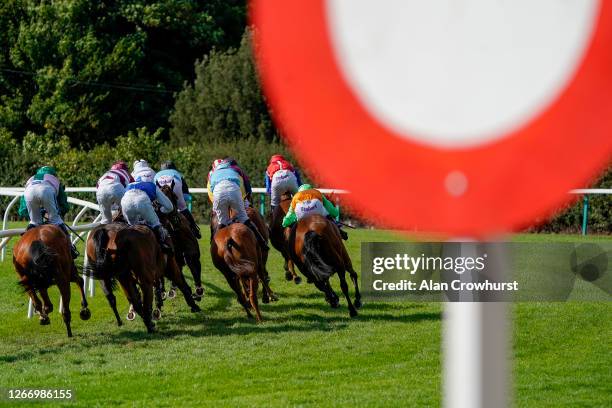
{"points": [[241, 267], [41, 267], [313, 260], [101, 267]]}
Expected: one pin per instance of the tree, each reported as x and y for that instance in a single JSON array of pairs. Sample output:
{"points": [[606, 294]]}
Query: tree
{"points": [[95, 70], [225, 103]]}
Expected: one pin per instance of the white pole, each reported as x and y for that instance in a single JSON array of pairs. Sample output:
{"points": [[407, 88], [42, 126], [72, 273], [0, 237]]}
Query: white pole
{"points": [[30, 309], [476, 350]]}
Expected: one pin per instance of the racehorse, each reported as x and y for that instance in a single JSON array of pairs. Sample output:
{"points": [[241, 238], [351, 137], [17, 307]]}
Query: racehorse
{"points": [[131, 255], [41, 259], [234, 251], [277, 237], [187, 249], [257, 220], [316, 247]]}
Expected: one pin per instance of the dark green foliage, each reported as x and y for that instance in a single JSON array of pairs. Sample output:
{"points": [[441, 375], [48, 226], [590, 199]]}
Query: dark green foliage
{"points": [[225, 103], [92, 70]]}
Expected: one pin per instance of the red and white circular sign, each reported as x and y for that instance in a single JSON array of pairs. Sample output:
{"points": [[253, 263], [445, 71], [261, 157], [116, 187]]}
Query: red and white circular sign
{"points": [[463, 117]]}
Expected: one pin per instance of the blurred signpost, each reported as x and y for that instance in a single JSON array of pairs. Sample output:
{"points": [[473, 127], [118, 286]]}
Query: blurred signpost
{"points": [[461, 118]]}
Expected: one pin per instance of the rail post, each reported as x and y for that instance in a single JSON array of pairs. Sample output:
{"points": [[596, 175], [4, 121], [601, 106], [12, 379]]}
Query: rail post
{"points": [[585, 213]]}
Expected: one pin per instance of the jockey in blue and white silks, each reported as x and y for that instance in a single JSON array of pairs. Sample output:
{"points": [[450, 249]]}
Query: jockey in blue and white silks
{"points": [[110, 189], [227, 187], [137, 207], [166, 176]]}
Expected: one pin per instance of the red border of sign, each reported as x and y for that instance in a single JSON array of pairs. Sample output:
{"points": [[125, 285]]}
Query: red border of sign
{"points": [[512, 181]]}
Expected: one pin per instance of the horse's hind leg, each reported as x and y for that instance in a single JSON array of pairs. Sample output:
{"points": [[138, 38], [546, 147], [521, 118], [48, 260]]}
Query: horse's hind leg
{"points": [[296, 278], [38, 307], [159, 299], [175, 275], [253, 280], [64, 289], [193, 262], [236, 287], [147, 300], [85, 313], [47, 305], [133, 296], [355, 280], [344, 287], [107, 288]]}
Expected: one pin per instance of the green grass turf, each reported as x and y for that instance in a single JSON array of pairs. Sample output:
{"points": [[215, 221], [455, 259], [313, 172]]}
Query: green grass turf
{"points": [[303, 354]]}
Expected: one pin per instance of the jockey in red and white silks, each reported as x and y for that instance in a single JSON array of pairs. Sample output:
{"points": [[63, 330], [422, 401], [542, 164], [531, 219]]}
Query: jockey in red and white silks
{"points": [[110, 189]]}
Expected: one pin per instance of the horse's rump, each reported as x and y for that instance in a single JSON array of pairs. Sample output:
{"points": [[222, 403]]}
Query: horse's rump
{"points": [[232, 256], [312, 251], [41, 266]]}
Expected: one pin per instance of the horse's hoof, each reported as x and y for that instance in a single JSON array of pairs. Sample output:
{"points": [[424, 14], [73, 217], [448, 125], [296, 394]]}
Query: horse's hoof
{"points": [[353, 312], [49, 309], [297, 280], [196, 309], [358, 303], [288, 276], [44, 320], [131, 315], [265, 300], [85, 314], [274, 298], [199, 291], [151, 328], [119, 323], [157, 314], [334, 304], [171, 294]]}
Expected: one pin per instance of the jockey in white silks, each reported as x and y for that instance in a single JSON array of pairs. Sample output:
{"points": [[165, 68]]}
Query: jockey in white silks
{"points": [[137, 207], [166, 176], [44, 192]]}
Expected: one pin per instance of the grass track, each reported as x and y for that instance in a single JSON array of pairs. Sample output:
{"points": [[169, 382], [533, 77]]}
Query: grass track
{"points": [[303, 354]]}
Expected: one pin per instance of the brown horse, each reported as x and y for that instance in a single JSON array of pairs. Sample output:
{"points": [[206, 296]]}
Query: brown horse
{"points": [[234, 251], [186, 246], [256, 218], [131, 255], [42, 258], [277, 237], [316, 247]]}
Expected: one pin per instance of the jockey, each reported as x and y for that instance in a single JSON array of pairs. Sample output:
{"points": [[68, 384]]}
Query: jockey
{"points": [[247, 183], [281, 177], [43, 191], [309, 201], [137, 204], [166, 176], [143, 170], [228, 192], [111, 187]]}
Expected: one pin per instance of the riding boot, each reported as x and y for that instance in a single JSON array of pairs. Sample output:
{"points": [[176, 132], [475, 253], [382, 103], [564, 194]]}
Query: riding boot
{"points": [[343, 233], [162, 237], [29, 227], [192, 223], [260, 239], [73, 251]]}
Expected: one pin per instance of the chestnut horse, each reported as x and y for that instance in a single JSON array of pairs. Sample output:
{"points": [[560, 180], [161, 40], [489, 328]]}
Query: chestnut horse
{"points": [[316, 247], [267, 293], [186, 246], [277, 237], [42, 258], [234, 251], [131, 255]]}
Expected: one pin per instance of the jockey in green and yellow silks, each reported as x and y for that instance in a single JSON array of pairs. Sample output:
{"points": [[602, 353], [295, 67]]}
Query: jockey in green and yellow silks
{"points": [[308, 201]]}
